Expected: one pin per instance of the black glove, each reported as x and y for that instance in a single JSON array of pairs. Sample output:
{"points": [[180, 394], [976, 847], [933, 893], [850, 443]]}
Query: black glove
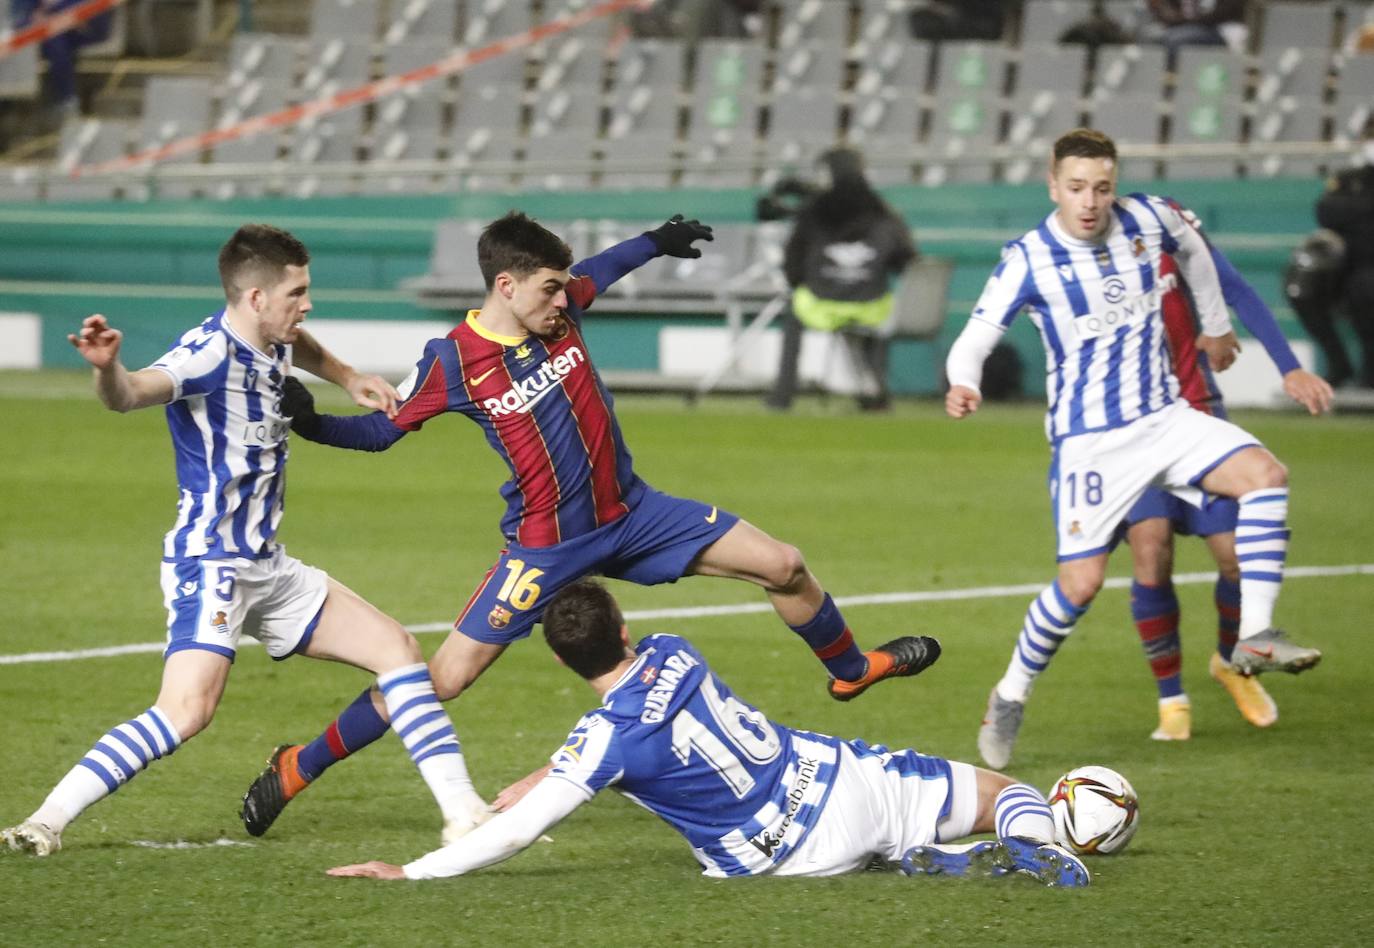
{"points": [[675, 237], [299, 405]]}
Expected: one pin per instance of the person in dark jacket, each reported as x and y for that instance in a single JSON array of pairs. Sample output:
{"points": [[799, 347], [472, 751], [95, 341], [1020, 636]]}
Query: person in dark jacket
{"points": [[845, 250], [1335, 267]]}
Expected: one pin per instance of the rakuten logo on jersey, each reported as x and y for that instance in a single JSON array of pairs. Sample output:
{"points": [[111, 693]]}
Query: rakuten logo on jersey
{"points": [[526, 393]]}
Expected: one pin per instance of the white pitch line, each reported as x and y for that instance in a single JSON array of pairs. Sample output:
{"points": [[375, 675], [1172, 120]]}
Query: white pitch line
{"points": [[699, 612]]}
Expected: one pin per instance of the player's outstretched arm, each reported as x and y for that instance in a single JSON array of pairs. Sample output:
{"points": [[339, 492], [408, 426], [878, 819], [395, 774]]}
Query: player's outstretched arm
{"points": [[498, 839], [118, 388], [368, 391], [513, 794], [370, 432], [1309, 390]]}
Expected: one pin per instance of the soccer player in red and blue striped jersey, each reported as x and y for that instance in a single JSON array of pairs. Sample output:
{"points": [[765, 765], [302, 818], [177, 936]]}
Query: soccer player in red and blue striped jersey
{"points": [[1151, 524], [520, 368]]}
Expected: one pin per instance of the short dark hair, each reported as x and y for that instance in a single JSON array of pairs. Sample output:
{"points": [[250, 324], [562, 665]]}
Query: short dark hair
{"points": [[518, 245], [1083, 143], [582, 625], [258, 255]]}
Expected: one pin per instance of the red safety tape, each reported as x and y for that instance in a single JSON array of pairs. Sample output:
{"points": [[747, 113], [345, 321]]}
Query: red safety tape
{"points": [[359, 95], [14, 40]]}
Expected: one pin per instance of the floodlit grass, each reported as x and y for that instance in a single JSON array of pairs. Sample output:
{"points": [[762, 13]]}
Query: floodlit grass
{"points": [[1246, 837]]}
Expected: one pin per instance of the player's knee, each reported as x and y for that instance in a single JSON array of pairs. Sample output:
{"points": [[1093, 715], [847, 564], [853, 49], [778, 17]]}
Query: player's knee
{"points": [[1153, 561], [1273, 474], [190, 715], [450, 680], [1080, 587], [786, 568]]}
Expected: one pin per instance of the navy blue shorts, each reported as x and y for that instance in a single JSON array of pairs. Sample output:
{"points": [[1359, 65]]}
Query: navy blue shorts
{"points": [[1218, 516], [653, 543]]}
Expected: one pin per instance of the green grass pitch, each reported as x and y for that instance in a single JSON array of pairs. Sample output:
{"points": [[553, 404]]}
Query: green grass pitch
{"points": [[1247, 836]]}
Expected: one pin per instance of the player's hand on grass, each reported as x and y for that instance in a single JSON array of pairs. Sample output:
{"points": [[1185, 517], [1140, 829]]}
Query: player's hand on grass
{"points": [[675, 237], [298, 404], [373, 391], [1309, 390], [1221, 350], [961, 401], [97, 342], [510, 796], [369, 870]]}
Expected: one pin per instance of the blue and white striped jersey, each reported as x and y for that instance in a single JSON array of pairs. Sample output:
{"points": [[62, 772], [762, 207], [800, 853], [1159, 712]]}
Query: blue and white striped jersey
{"points": [[1097, 306], [230, 440], [671, 736]]}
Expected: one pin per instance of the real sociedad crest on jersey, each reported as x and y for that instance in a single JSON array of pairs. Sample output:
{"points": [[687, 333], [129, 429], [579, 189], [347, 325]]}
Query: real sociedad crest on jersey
{"points": [[1138, 246], [499, 618]]}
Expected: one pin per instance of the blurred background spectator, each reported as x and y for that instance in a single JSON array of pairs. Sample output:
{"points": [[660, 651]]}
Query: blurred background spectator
{"points": [[846, 249]]}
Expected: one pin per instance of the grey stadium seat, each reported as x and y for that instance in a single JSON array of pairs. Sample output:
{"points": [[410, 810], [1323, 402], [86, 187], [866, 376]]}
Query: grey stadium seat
{"points": [[351, 20]]}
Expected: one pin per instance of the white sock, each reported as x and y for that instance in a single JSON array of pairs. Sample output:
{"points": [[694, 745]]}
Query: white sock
{"points": [[1021, 811], [424, 728], [119, 756], [1262, 548], [1049, 620]]}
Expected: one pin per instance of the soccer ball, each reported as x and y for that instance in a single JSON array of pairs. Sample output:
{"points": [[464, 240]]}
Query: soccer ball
{"points": [[1095, 810]]}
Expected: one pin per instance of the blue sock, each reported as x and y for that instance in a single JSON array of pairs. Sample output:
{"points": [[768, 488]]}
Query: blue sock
{"points": [[358, 726], [1226, 594], [1155, 610], [832, 642]]}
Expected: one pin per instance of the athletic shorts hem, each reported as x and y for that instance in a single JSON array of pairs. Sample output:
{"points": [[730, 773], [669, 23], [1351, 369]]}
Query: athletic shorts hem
{"points": [[1196, 479], [175, 647]]}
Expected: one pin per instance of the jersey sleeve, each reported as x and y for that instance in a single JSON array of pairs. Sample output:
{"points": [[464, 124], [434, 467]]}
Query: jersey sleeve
{"points": [[1009, 290], [596, 274], [590, 759], [1255, 315], [425, 392], [1193, 254], [503, 835], [197, 365]]}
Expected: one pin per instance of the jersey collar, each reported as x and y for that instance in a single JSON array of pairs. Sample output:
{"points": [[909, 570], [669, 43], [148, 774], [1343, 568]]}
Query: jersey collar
{"points": [[490, 336]]}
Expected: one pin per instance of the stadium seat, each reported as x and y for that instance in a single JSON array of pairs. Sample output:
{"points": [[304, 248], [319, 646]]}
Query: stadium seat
{"points": [[423, 20], [490, 20], [724, 116], [19, 183], [1309, 25], [886, 106], [1046, 101], [453, 270], [967, 116], [1129, 70], [808, 65], [652, 150], [1207, 109], [645, 88], [563, 130], [174, 108], [1289, 107], [349, 20], [802, 123], [1351, 111], [824, 21], [19, 73], [1044, 21], [87, 142]]}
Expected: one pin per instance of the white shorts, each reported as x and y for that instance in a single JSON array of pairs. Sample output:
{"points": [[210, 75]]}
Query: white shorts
{"points": [[209, 603], [1095, 479], [882, 804]]}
